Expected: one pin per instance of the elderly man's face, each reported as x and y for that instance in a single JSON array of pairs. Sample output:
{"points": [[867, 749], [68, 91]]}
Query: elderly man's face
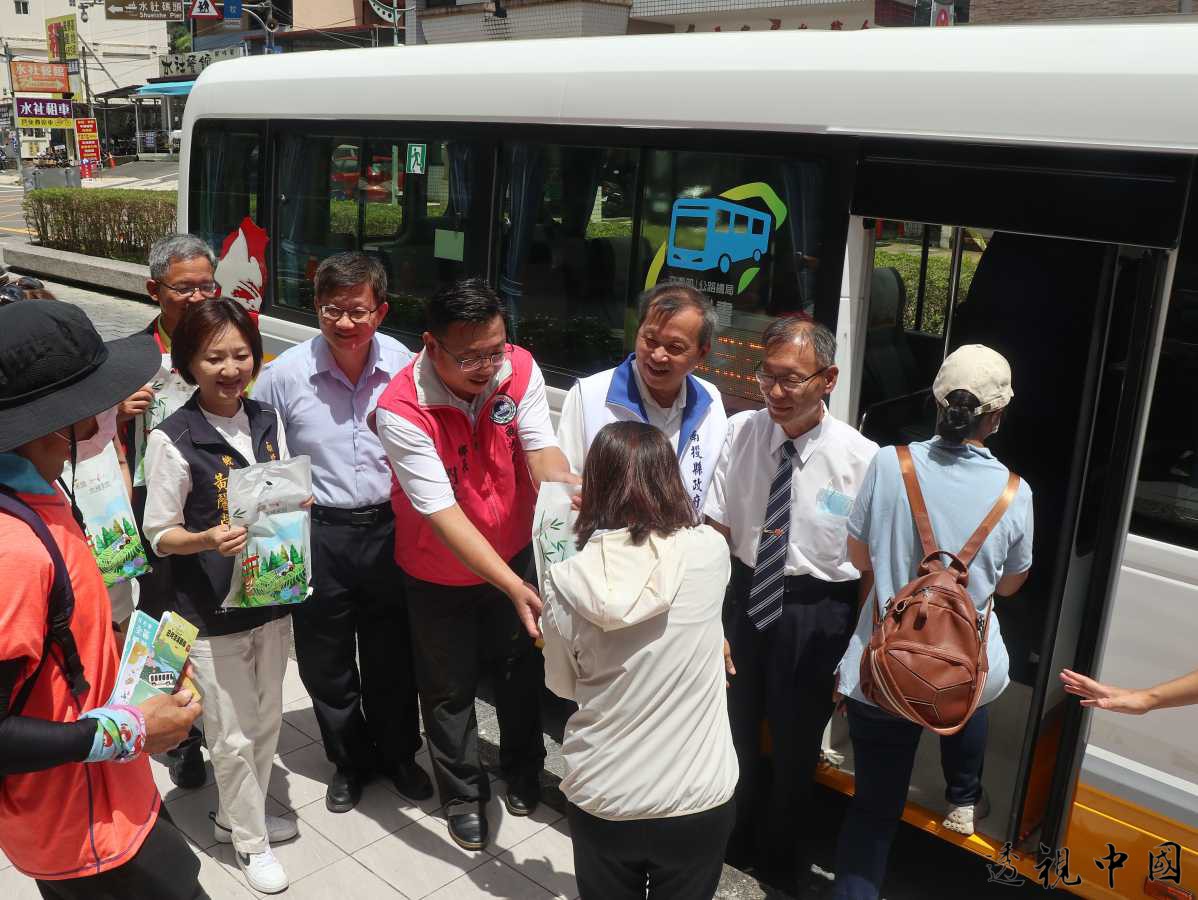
{"points": [[186, 281]]}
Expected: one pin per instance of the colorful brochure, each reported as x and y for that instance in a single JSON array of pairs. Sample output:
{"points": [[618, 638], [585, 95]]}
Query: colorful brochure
{"points": [[154, 657]]}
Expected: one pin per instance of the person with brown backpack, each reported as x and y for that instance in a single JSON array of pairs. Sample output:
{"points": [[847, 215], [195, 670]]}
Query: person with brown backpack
{"points": [[943, 526]]}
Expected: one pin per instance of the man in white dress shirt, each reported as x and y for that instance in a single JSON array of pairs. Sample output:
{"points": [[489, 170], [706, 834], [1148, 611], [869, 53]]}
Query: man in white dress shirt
{"points": [[655, 385], [781, 494], [351, 636]]}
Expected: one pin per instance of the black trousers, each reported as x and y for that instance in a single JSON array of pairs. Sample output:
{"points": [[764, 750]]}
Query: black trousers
{"points": [[366, 706], [677, 858], [458, 635], [165, 868], [785, 676]]}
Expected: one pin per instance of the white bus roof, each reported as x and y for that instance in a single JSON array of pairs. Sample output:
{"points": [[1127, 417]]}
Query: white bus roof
{"points": [[1116, 86]]}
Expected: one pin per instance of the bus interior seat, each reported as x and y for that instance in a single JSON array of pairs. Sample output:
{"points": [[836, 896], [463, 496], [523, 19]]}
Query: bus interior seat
{"points": [[1033, 299]]}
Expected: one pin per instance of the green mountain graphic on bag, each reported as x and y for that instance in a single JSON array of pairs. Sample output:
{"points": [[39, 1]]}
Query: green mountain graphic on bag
{"points": [[274, 568], [108, 520]]}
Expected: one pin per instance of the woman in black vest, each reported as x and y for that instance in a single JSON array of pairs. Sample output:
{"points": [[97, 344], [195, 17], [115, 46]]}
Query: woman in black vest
{"points": [[241, 654]]}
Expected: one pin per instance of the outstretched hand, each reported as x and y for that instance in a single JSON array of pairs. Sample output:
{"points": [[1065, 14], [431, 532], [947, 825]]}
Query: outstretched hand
{"points": [[1104, 696], [528, 607]]}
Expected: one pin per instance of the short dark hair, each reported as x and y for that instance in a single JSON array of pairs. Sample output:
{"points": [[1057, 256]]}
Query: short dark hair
{"points": [[673, 296], [804, 329], [348, 270], [631, 481], [201, 323], [469, 300]]}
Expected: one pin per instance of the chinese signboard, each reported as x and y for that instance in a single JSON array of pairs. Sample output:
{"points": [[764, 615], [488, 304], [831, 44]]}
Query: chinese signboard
{"points": [[194, 63], [87, 136], [62, 39], [38, 113], [40, 78], [144, 10]]}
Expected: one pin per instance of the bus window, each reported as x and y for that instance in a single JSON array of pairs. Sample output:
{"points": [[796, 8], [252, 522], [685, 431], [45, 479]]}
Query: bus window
{"points": [[317, 209], [408, 203], [226, 179], [748, 231], [1165, 506], [566, 249]]}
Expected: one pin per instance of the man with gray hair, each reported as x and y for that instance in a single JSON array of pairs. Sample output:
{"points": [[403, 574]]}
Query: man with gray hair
{"points": [[781, 494], [655, 385], [182, 272]]}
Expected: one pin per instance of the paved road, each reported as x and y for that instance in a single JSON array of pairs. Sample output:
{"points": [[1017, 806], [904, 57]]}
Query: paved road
{"points": [[12, 220], [921, 866]]}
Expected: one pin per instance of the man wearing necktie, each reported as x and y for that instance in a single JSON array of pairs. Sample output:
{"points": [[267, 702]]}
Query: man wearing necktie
{"points": [[781, 494]]}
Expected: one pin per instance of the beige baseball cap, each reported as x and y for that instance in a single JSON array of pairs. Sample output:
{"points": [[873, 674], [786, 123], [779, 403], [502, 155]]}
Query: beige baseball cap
{"points": [[975, 368]]}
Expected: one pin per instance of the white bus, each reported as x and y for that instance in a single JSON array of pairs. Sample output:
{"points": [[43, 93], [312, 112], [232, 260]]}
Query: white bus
{"points": [[1029, 188]]}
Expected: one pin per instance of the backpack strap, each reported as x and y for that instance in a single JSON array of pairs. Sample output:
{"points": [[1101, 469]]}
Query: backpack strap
{"points": [[61, 608], [919, 509], [974, 544]]}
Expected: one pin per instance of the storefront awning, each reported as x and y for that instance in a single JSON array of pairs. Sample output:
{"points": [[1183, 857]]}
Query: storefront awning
{"points": [[166, 89]]}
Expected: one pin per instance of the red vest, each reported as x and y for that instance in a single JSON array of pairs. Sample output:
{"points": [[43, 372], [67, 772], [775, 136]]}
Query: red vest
{"points": [[486, 466]]}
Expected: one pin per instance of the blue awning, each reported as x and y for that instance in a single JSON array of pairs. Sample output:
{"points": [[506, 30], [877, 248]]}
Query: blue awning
{"points": [[166, 89]]}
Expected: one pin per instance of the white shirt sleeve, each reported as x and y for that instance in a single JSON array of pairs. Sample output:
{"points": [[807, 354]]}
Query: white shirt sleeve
{"points": [[168, 485], [561, 665], [715, 506], [571, 436], [532, 415], [417, 466], [284, 453]]}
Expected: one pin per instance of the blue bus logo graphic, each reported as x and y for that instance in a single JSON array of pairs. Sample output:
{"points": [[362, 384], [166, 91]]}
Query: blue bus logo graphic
{"points": [[714, 233]]}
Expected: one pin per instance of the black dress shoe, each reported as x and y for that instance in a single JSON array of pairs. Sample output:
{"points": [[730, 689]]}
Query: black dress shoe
{"points": [[344, 792], [467, 825], [187, 768], [522, 797], [412, 781]]}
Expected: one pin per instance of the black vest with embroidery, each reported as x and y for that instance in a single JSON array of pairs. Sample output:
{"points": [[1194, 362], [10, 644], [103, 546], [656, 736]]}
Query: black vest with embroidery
{"points": [[201, 580]]}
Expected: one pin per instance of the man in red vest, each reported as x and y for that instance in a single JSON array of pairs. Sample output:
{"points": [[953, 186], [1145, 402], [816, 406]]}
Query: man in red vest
{"points": [[466, 427]]}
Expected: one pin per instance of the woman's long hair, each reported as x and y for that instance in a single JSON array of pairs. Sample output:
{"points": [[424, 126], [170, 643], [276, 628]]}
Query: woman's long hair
{"points": [[631, 481]]}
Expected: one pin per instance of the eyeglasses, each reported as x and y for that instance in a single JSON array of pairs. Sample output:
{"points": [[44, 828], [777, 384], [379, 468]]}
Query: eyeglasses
{"points": [[332, 313], [207, 288], [472, 363], [789, 384]]}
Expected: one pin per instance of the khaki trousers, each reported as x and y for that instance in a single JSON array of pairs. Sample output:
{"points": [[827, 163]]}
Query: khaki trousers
{"points": [[241, 677]]}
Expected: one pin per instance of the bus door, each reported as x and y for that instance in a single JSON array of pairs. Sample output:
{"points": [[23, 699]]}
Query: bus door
{"points": [[1059, 261]]}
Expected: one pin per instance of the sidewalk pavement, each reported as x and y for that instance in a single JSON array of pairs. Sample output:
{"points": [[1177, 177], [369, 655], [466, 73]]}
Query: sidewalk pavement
{"points": [[387, 848]]}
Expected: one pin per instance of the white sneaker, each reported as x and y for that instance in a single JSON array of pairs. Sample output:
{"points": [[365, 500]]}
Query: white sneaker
{"points": [[263, 872], [277, 830], [961, 818]]}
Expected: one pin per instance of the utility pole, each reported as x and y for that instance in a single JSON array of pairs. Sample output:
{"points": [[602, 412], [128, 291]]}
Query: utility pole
{"points": [[12, 89]]}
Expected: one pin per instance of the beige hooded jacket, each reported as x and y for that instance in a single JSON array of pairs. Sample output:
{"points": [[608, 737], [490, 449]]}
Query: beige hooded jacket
{"points": [[633, 635]]}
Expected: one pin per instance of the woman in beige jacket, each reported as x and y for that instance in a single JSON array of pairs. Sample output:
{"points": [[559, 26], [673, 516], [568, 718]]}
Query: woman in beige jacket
{"points": [[633, 635]]}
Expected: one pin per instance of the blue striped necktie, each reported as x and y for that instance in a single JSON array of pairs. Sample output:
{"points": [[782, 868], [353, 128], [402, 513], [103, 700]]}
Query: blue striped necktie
{"points": [[769, 581]]}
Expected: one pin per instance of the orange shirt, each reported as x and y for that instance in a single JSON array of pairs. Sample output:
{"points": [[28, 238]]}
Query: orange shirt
{"points": [[76, 819]]}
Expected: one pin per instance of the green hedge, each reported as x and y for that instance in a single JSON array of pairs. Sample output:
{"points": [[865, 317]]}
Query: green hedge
{"points": [[106, 222], [935, 296]]}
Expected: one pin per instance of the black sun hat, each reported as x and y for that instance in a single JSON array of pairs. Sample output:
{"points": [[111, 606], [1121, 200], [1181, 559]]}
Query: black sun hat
{"points": [[56, 370]]}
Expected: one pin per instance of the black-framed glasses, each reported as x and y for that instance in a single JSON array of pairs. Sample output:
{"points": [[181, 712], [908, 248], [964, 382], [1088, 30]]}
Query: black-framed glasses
{"points": [[330, 312], [788, 383], [473, 363], [206, 288]]}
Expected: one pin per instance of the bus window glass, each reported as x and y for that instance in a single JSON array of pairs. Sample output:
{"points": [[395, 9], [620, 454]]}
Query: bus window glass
{"points": [[566, 252], [749, 232], [317, 209], [1165, 506], [407, 203], [225, 180]]}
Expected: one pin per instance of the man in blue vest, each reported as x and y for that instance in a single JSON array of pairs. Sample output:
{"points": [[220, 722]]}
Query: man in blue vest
{"points": [[655, 385]]}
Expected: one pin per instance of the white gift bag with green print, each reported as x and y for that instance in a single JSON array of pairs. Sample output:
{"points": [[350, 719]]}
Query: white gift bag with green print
{"points": [[553, 527], [108, 521], [275, 568]]}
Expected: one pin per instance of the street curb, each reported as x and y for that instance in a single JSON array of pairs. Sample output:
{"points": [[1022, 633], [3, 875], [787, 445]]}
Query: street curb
{"points": [[62, 265]]}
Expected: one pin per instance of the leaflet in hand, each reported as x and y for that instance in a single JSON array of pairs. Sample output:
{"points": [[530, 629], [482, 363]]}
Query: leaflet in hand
{"points": [[153, 659], [171, 391]]}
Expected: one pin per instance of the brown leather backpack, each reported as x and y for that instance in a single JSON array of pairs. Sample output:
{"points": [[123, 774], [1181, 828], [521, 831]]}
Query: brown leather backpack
{"points": [[926, 660]]}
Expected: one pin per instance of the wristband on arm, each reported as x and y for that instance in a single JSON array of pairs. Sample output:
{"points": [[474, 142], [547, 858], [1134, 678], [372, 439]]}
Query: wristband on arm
{"points": [[120, 733]]}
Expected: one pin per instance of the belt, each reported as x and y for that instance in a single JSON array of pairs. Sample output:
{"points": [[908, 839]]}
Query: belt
{"points": [[361, 517], [797, 585]]}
